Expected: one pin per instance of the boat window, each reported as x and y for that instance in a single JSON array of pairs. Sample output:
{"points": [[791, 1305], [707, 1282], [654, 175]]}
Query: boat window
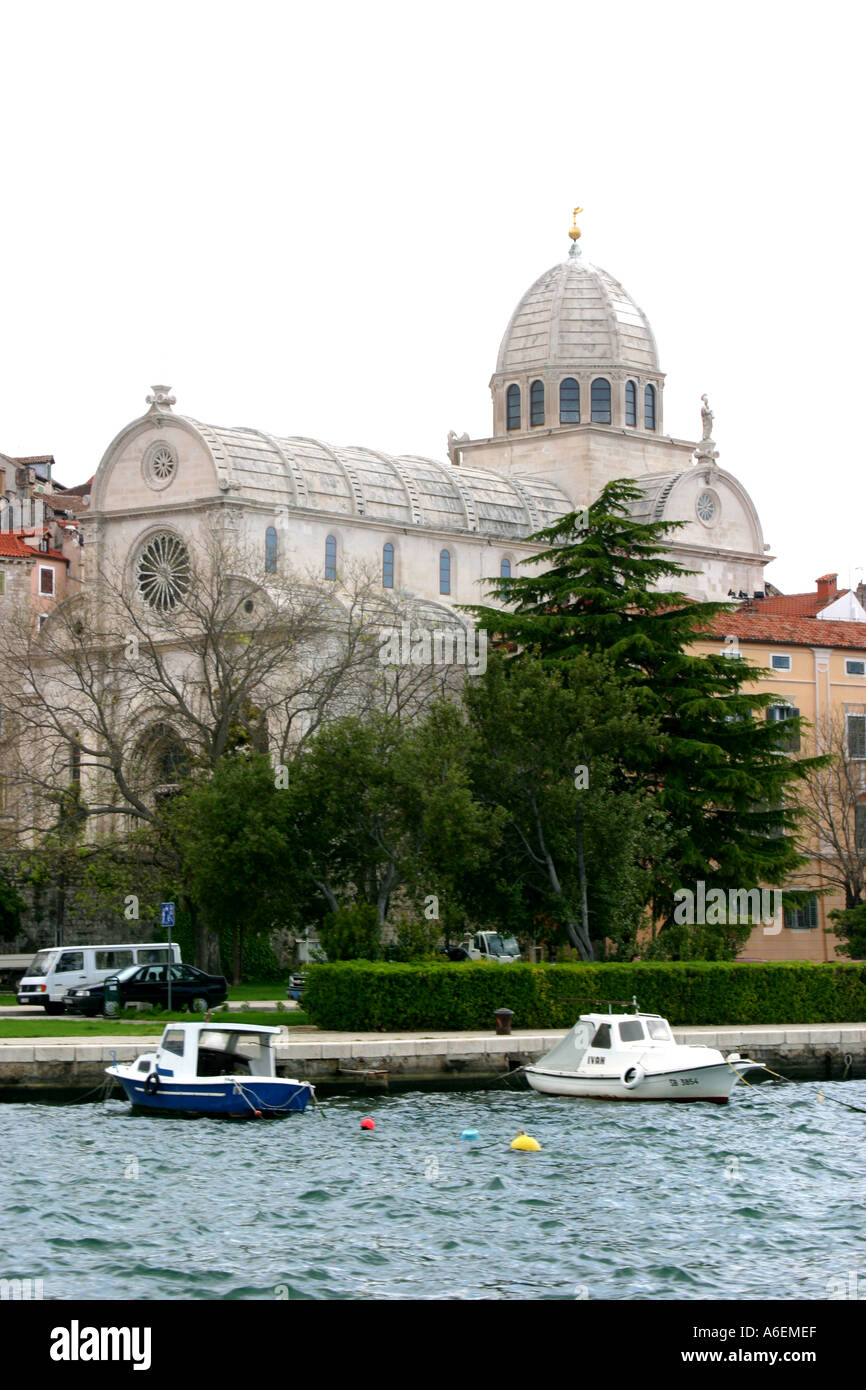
{"points": [[145, 1065], [632, 1031], [602, 1037], [173, 1042], [658, 1030]]}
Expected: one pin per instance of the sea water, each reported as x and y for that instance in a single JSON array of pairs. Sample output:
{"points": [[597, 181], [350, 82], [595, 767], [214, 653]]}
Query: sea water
{"points": [[764, 1198]]}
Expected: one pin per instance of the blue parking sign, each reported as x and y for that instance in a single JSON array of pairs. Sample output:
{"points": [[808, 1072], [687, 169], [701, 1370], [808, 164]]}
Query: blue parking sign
{"points": [[168, 914]]}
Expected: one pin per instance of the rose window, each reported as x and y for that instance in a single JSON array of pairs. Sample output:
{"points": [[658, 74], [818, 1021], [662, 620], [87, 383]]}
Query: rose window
{"points": [[159, 465], [163, 572], [706, 507]]}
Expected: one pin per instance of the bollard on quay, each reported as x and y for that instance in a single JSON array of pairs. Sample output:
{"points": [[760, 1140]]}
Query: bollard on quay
{"points": [[503, 1021]]}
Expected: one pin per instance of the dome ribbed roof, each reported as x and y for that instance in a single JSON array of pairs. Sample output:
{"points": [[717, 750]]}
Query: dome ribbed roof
{"points": [[576, 315], [405, 490]]}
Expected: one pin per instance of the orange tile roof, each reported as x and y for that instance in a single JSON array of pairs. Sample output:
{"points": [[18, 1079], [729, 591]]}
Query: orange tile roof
{"points": [[14, 548], [799, 605], [775, 630]]}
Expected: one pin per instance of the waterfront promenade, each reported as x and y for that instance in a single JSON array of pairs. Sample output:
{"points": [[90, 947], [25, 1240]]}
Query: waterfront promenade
{"points": [[402, 1059]]}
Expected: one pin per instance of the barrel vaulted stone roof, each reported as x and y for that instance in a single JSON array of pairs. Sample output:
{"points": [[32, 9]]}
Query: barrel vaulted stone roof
{"points": [[407, 490]]}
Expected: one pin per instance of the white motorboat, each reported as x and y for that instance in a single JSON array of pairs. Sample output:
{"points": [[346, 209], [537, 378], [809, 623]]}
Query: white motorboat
{"points": [[635, 1057], [212, 1069]]}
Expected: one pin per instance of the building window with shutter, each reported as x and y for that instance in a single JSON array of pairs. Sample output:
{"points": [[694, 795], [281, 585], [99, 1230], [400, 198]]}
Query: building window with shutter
{"points": [[46, 581], [860, 827], [388, 566], [855, 735], [788, 741], [803, 918]]}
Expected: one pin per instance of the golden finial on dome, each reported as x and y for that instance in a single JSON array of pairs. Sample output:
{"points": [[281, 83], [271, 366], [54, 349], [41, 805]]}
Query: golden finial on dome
{"points": [[574, 231]]}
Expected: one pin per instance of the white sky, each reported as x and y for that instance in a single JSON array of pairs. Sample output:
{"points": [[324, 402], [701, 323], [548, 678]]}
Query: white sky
{"points": [[317, 219]]}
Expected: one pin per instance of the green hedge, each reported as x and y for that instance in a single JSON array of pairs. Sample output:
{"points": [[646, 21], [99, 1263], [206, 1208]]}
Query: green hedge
{"points": [[373, 996]]}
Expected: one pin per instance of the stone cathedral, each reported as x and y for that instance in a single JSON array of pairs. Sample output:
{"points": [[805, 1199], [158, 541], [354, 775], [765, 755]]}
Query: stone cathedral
{"points": [[578, 399]]}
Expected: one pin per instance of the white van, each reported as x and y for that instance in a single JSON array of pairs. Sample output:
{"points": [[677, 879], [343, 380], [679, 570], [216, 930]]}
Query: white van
{"points": [[61, 968]]}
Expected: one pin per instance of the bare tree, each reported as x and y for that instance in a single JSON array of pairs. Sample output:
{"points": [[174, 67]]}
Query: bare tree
{"points": [[834, 801], [151, 675]]}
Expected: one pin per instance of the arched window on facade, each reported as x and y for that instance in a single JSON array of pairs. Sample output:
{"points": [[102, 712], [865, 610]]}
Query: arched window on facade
{"points": [[74, 761], [631, 403], [271, 550], [512, 406], [569, 401], [649, 408], [445, 571], [601, 401], [536, 403], [387, 565], [331, 557], [505, 568]]}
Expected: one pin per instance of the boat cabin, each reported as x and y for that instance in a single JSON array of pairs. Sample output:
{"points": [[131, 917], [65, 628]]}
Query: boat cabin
{"points": [[216, 1049], [597, 1036]]}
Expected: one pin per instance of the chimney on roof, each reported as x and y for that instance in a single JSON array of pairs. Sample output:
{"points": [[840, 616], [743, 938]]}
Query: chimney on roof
{"points": [[861, 593], [827, 587]]}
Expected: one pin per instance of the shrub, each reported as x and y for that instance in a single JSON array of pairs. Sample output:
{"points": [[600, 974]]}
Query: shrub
{"points": [[351, 933], [374, 996]]}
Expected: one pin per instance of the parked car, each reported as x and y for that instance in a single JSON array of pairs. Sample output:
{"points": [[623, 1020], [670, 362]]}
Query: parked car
{"points": [[148, 984], [54, 972], [486, 945]]}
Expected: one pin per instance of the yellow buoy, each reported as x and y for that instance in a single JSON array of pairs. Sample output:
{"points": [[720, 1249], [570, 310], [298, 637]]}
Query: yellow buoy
{"points": [[525, 1142]]}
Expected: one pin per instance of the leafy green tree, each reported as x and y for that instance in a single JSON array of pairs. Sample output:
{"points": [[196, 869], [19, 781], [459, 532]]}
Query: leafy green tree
{"points": [[850, 929], [723, 781], [579, 830], [381, 806], [231, 830]]}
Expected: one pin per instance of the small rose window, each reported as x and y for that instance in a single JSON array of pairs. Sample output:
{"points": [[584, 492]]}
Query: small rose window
{"points": [[163, 572], [159, 465]]}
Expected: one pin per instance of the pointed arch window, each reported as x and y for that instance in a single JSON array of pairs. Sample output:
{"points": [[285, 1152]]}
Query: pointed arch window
{"points": [[271, 550], [505, 568], [331, 557], [601, 401], [569, 401], [631, 404], [387, 565], [536, 403], [445, 571], [649, 408], [512, 405]]}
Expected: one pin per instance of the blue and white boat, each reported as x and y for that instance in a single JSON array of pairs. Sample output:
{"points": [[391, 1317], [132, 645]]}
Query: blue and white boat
{"points": [[212, 1069]]}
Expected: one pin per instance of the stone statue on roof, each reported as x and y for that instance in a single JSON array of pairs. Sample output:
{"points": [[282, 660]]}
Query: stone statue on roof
{"points": [[706, 419]]}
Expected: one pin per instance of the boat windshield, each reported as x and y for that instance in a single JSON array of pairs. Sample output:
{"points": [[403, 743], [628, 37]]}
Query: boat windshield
{"points": [[42, 963], [631, 1031], [223, 1050], [658, 1029]]}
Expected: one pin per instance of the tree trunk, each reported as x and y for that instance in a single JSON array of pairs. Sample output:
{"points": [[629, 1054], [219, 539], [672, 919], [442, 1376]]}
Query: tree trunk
{"points": [[585, 944], [237, 945]]}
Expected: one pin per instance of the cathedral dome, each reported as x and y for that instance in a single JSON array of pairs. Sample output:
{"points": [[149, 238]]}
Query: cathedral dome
{"points": [[576, 323]]}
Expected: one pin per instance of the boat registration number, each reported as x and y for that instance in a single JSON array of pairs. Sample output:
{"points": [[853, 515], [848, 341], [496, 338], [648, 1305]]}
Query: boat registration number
{"points": [[684, 1081]]}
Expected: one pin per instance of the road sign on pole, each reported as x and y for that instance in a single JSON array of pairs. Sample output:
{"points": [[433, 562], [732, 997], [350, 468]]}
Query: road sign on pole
{"points": [[167, 911]]}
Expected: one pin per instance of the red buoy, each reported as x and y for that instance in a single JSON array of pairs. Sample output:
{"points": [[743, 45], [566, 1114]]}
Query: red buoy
{"points": [[367, 1123]]}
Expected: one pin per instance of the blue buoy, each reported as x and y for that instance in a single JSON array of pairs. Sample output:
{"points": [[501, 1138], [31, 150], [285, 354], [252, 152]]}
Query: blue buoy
{"points": [[469, 1134]]}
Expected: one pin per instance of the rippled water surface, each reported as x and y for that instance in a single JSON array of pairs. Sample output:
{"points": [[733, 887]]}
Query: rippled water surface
{"points": [[763, 1198]]}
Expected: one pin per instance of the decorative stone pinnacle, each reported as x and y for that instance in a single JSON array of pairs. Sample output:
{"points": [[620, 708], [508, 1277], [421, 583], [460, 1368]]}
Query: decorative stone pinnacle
{"points": [[574, 233], [161, 399]]}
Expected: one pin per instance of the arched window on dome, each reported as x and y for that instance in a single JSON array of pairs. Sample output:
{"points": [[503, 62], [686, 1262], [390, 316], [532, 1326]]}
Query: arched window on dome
{"points": [[387, 565], [445, 571], [601, 401], [331, 557], [512, 406], [505, 568], [631, 403], [649, 408], [271, 550], [536, 403], [569, 401]]}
